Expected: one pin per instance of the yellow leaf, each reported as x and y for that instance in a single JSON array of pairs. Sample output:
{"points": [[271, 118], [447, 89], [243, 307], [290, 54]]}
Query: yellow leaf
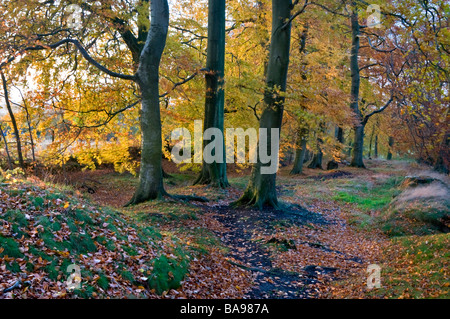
{"points": [[66, 205]]}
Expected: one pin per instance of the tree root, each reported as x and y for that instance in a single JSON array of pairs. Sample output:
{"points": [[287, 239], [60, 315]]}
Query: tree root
{"points": [[166, 175], [206, 180], [164, 194], [253, 200], [357, 165], [296, 172], [246, 267], [189, 198]]}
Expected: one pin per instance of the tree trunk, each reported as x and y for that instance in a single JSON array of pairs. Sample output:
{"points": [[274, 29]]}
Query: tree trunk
{"points": [[308, 156], [30, 132], [215, 173], [391, 144], [316, 162], [150, 176], [350, 148], [300, 152], [370, 142], [261, 189], [13, 121], [10, 165], [376, 147], [442, 162], [339, 134], [358, 146]]}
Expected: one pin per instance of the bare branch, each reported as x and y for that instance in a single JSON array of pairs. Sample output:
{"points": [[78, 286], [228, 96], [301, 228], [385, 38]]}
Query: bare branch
{"points": [[368, 116], [379, 50], [111, 116], [368, 66], [302, 9], [80, 48], [85, 54], [334, 11], [190, 77]]}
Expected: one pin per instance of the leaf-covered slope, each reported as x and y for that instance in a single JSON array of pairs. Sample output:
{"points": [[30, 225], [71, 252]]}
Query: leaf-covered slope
{"points": [[43, 231]]}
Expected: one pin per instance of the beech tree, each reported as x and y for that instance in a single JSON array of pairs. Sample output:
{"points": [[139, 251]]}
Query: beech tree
{"points": [[215, 173], [261, 189], [147, 76]]}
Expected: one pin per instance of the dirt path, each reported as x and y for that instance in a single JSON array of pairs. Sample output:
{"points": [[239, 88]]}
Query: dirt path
{"points": [[258, 255]]}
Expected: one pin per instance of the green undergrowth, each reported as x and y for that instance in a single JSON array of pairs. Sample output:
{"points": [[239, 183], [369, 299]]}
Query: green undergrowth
{"points": [[44, 230], [368, 196]]}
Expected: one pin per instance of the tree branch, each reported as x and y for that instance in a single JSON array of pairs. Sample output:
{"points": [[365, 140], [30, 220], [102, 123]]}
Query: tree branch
{"points": [[367, 117], [190, 77], [85, 54], [368, 66], [379, 50], [295, 14], [331, 10], [111, 115]]}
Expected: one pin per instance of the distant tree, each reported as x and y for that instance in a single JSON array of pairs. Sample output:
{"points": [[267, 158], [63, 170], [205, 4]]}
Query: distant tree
{"points": [[13, 120], [10, 165]]}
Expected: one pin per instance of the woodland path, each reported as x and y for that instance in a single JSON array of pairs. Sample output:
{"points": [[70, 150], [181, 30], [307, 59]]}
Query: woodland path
{"points": [[256, 256]]}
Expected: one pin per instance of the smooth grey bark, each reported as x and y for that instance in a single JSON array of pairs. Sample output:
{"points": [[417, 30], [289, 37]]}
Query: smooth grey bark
{"points": [[308, 156], [261, 189], [371, 142], [339, 134], [300, 152], [376, 147], [442, 162], [358, 142], [13, 121], [358, 147], [390, 147], [30, 131], [316, 162], [10, 165], [147, 77], [215, 173], [134, 43]]}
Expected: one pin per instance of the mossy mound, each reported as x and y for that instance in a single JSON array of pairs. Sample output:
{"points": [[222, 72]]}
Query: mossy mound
{"points": [[423, 208], [44, 230]]}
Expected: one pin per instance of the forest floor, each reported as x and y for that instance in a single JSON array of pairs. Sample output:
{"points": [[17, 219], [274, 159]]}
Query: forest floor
{"points": [[332, 226]]}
